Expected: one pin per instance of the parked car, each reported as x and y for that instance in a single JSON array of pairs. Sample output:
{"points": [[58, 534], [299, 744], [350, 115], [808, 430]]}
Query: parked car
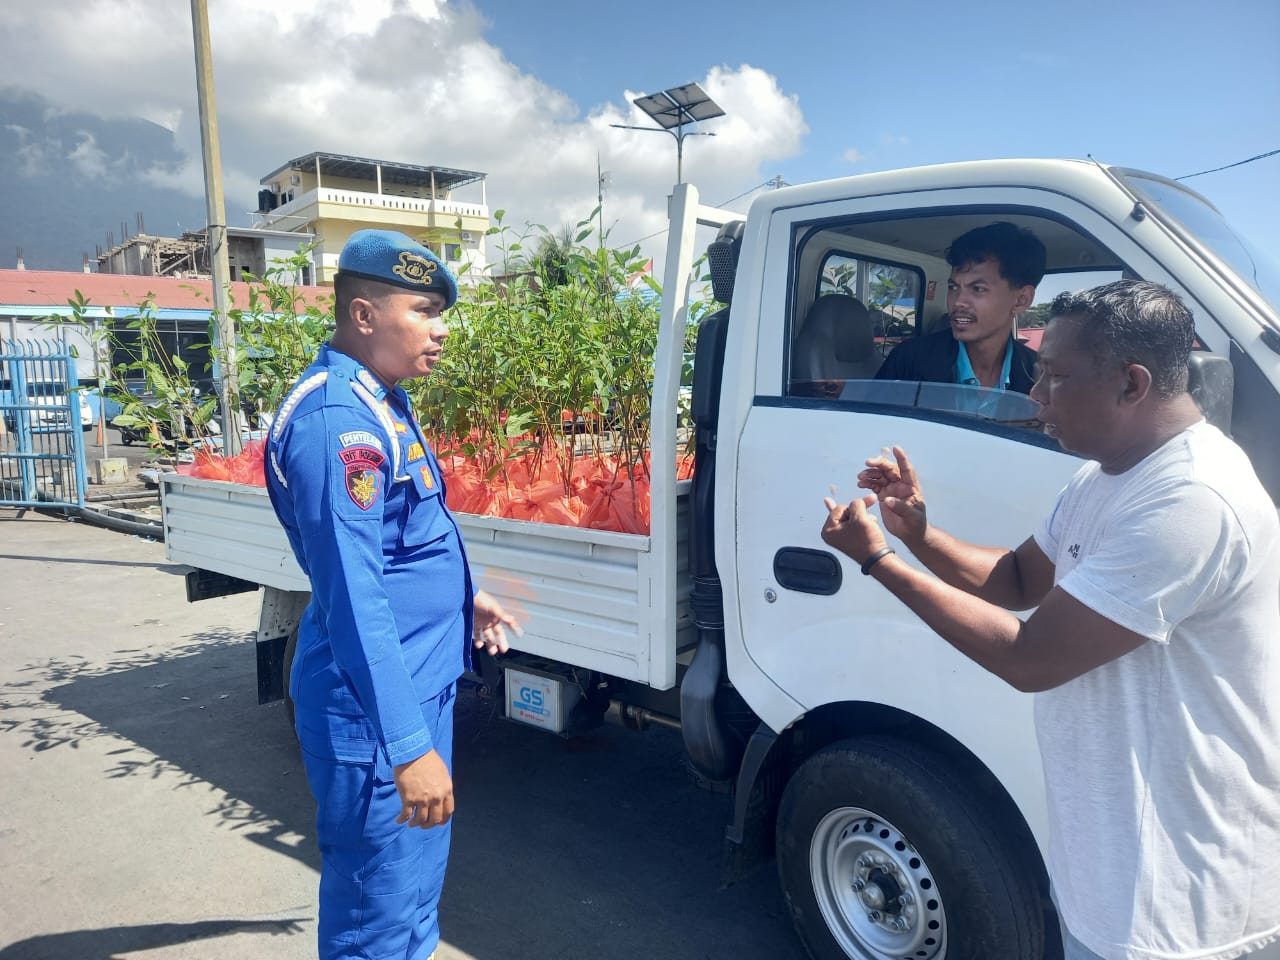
{"points": [[48, 406]]}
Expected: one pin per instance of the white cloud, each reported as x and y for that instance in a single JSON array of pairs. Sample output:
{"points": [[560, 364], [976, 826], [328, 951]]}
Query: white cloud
{"points": [[852, 155], [86, 157], [32, 153], [404, 80]]}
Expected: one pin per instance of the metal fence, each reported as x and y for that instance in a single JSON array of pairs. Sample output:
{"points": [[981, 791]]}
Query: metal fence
{"points": [[43, 416]]}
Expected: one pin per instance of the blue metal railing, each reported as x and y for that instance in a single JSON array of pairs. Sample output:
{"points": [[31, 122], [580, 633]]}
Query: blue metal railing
{"points": [[42, 459]]}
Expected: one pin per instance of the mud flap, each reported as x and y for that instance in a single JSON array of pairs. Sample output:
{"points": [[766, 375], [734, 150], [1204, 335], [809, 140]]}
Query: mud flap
{"points": [[281, 612], [748, 841]]}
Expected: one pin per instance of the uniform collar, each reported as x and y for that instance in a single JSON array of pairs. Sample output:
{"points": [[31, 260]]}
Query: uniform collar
{"points": [[336, 361], [964, 369]]}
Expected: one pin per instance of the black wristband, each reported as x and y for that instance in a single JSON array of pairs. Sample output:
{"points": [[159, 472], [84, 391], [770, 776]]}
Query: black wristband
{"points": [[875, 558]]}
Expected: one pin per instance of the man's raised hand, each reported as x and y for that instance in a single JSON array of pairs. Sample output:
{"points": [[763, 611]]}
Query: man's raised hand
{"points": [[896, 486]]}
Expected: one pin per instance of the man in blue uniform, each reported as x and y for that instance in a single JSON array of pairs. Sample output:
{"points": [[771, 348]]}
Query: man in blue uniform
{"points": [[385, 637]]}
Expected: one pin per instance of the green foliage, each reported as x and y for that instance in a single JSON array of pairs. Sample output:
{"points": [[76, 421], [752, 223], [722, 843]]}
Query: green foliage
{"points": [[278, 335], [566, 337], [164, 403], [1036, 316]]}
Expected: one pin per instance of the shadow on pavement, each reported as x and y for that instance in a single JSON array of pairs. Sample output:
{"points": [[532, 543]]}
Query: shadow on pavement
{"points": [[601, 846], [190, 715], [110, 942]]}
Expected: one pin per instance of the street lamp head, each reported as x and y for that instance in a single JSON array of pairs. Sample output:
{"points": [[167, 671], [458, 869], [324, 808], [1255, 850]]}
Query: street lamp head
{"points": [[673, 110], [678, 106]]}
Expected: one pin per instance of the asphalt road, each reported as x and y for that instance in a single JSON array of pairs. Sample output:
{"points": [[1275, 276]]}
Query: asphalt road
{"points": [[150, 808]]}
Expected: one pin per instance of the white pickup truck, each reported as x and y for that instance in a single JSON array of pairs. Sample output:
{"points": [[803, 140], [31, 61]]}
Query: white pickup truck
{"points": [[897, 784]]}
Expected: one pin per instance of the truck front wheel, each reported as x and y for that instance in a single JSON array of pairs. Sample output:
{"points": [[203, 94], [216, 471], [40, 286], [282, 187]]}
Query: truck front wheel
{"points": [[885, 853]]}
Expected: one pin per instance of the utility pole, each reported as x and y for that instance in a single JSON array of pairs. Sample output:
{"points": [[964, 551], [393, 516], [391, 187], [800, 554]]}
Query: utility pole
{"points": [[224, 332]]}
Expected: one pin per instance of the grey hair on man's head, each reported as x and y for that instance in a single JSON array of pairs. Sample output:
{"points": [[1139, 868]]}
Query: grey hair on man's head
{"points": [[1134, 321]]}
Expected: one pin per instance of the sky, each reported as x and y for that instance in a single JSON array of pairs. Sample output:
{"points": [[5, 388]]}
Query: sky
{"points": [[98, 117]]}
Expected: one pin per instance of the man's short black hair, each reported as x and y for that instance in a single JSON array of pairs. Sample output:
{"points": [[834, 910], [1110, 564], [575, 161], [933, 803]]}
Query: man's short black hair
{"points": [[1017, 250], [1134, 321], [347, 288]]}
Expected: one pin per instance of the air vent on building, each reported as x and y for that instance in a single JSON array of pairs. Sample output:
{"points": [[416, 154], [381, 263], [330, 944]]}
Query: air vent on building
{"points": [[294, 180], [466, 236]]}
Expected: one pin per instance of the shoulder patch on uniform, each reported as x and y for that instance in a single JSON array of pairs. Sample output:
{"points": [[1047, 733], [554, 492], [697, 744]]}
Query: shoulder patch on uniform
{"points": [[363, 477], [353, 437], [304, 387], [428, 480], [415, 451]]}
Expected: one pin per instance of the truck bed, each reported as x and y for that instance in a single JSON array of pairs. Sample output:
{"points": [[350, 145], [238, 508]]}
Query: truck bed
{"points": [[589, 598]]}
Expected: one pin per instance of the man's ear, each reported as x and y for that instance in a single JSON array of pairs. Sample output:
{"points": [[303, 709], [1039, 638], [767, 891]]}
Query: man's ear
{"points": [[1137, 383], [1026, 297], [360, 315]]}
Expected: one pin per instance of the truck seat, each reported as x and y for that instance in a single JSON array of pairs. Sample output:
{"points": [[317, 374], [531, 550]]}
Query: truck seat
{"points": [[837, 342]]}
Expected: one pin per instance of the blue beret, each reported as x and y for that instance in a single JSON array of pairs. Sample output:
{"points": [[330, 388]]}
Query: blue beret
{"points": [[390, 257]]}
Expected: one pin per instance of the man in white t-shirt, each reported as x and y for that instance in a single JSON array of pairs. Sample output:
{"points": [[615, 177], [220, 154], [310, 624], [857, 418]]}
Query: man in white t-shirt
{"points": [[1155, 647]]}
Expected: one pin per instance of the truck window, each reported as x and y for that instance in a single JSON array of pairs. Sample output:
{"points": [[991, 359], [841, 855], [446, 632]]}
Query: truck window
{"points": [[862, 308], [861, 288], [1032, 323]]}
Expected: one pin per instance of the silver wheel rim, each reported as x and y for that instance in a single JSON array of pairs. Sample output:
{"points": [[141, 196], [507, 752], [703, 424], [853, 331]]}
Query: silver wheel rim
{"points": [[876, 893]]}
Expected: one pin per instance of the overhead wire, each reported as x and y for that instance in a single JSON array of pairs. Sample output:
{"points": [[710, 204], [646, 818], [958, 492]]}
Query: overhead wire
{"points": [[1238, 163], [1199, 173]]}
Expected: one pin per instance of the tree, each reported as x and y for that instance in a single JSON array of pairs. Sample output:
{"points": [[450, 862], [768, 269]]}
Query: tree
{"points": [[1036, 316]]}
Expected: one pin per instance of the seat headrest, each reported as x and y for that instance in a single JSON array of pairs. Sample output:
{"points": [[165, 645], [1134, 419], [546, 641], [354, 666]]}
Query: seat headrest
{"points": [[1211, 383], [847, 324]]}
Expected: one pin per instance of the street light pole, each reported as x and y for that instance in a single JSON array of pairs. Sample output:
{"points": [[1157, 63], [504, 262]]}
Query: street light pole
{"points": [[224, 329], [672, 110], [679, 133]]}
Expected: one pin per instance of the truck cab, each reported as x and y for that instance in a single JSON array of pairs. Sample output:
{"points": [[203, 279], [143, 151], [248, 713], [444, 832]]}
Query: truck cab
{"points": [[899, 782]]}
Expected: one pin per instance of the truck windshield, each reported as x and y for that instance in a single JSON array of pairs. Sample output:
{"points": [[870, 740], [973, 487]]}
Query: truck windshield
{"points": [[1197, 219]]}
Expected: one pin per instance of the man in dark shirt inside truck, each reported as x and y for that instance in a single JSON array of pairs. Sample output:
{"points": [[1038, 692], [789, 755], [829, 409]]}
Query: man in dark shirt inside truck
{"points": [[994, 273]]}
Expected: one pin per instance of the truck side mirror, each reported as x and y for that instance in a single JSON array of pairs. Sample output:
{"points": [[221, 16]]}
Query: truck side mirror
{"points": [[1211, 383], [722, 258]]}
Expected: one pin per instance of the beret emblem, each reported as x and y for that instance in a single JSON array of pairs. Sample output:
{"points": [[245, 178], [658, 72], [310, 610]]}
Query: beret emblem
{"points": [[415, 268]]}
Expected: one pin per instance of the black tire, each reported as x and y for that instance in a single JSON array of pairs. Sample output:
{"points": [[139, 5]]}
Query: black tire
{"points": [[286, 667], [885, 852]]}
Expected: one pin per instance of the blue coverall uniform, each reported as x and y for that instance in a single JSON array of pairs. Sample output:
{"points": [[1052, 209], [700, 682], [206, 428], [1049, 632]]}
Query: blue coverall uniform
{"points": [[380, 646]]}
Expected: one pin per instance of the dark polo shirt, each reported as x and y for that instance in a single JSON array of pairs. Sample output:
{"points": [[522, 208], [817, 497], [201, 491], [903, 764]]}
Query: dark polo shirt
{"points": [[932, 359]]}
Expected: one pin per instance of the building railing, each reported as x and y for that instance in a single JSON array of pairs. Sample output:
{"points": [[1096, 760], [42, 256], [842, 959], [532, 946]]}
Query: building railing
{"points": [[377, 201]]}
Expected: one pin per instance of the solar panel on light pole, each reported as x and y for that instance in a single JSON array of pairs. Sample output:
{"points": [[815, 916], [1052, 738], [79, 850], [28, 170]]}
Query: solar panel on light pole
{"points": [[673, 110]]}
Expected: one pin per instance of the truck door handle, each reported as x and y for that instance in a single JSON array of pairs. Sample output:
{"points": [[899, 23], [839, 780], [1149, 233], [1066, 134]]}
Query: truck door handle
{"points": [[807, 570]]}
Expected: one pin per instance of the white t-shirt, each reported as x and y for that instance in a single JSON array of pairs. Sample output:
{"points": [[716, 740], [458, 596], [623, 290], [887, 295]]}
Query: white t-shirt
{"points": [[1163, 767]]}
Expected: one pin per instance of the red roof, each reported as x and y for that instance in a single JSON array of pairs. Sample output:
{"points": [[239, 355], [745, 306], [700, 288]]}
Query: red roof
{"points": [[1032, 337], [53, 288]]}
